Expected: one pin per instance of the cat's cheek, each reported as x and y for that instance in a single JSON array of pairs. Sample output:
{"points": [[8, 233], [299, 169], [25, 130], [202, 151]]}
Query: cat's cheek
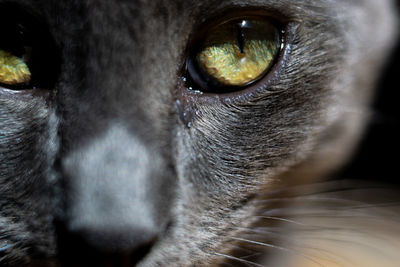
{"points": [[28, 145]]}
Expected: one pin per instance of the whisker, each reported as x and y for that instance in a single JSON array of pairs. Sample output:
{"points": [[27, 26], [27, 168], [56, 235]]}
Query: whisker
{"points": [[239, 259], [248, 253], [252, 255], [347, 241], [319, 188], [334, 216], [239, 248], [309, 229], [277, 247], [313, 198], [343, 200], [278, 219], [328, 256], [260, 230], [327, 212], [379, 205], [272, 200]]}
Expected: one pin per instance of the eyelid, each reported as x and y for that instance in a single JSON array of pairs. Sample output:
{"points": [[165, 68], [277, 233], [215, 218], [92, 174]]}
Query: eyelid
{"points": [[26, 94]]}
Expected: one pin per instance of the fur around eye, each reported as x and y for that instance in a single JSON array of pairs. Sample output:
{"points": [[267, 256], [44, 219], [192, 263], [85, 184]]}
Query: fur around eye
{"points": [[234, 54]]}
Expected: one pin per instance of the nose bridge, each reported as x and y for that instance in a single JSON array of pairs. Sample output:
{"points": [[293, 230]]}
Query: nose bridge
{"points": [[110, 186], [124, 68], [115, 121]]}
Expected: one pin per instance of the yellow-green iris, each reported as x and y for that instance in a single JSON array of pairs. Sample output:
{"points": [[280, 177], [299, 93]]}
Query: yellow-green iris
{"points": [[239, 52], [13, 70]]}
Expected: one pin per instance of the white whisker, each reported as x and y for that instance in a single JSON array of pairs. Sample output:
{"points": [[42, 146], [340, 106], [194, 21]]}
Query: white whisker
{"points": [[239, 248], [277, 247], [379, 205], [252, 255], [279, 219], [259, 230], [239, 259]]}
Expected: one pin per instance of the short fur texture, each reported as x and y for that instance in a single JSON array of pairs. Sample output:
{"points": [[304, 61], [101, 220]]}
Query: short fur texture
{"points": [[122, 154]]}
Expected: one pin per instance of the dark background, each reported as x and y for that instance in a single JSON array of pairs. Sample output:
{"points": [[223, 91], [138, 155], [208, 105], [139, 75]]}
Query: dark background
{"points": [[378, 157]]}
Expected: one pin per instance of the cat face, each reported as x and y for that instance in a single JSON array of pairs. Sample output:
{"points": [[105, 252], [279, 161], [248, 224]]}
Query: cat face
{"points": [[124, 158]]}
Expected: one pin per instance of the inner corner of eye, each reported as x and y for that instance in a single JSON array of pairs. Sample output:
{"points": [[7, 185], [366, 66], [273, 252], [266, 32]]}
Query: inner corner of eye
{"points": [[13, 69], [238, 52]]}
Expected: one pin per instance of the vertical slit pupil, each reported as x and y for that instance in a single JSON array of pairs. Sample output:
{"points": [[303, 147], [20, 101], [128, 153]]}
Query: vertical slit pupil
{"points": [[240, 36]]}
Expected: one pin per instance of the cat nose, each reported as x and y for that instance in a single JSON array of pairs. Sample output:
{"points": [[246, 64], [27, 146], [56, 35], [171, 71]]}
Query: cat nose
{"points": [[116, 240], [115, 200], [104, 247]]}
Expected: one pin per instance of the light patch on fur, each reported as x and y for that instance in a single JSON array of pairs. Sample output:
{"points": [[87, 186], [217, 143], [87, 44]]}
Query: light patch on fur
{"points": [[103, 188]]}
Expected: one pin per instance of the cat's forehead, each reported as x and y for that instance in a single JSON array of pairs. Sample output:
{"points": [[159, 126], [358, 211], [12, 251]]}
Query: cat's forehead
{"points": [[168, 24], [195, 11]]}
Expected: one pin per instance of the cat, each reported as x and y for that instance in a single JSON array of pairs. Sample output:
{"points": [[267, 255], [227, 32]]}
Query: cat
{"points": [[114, 154]]}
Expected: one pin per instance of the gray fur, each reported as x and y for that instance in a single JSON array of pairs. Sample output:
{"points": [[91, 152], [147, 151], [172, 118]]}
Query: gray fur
{"points": [[121, 121]]}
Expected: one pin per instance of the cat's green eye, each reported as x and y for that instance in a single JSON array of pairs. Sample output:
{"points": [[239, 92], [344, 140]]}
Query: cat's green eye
{"points": [[235, 54], [13, 69]]}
